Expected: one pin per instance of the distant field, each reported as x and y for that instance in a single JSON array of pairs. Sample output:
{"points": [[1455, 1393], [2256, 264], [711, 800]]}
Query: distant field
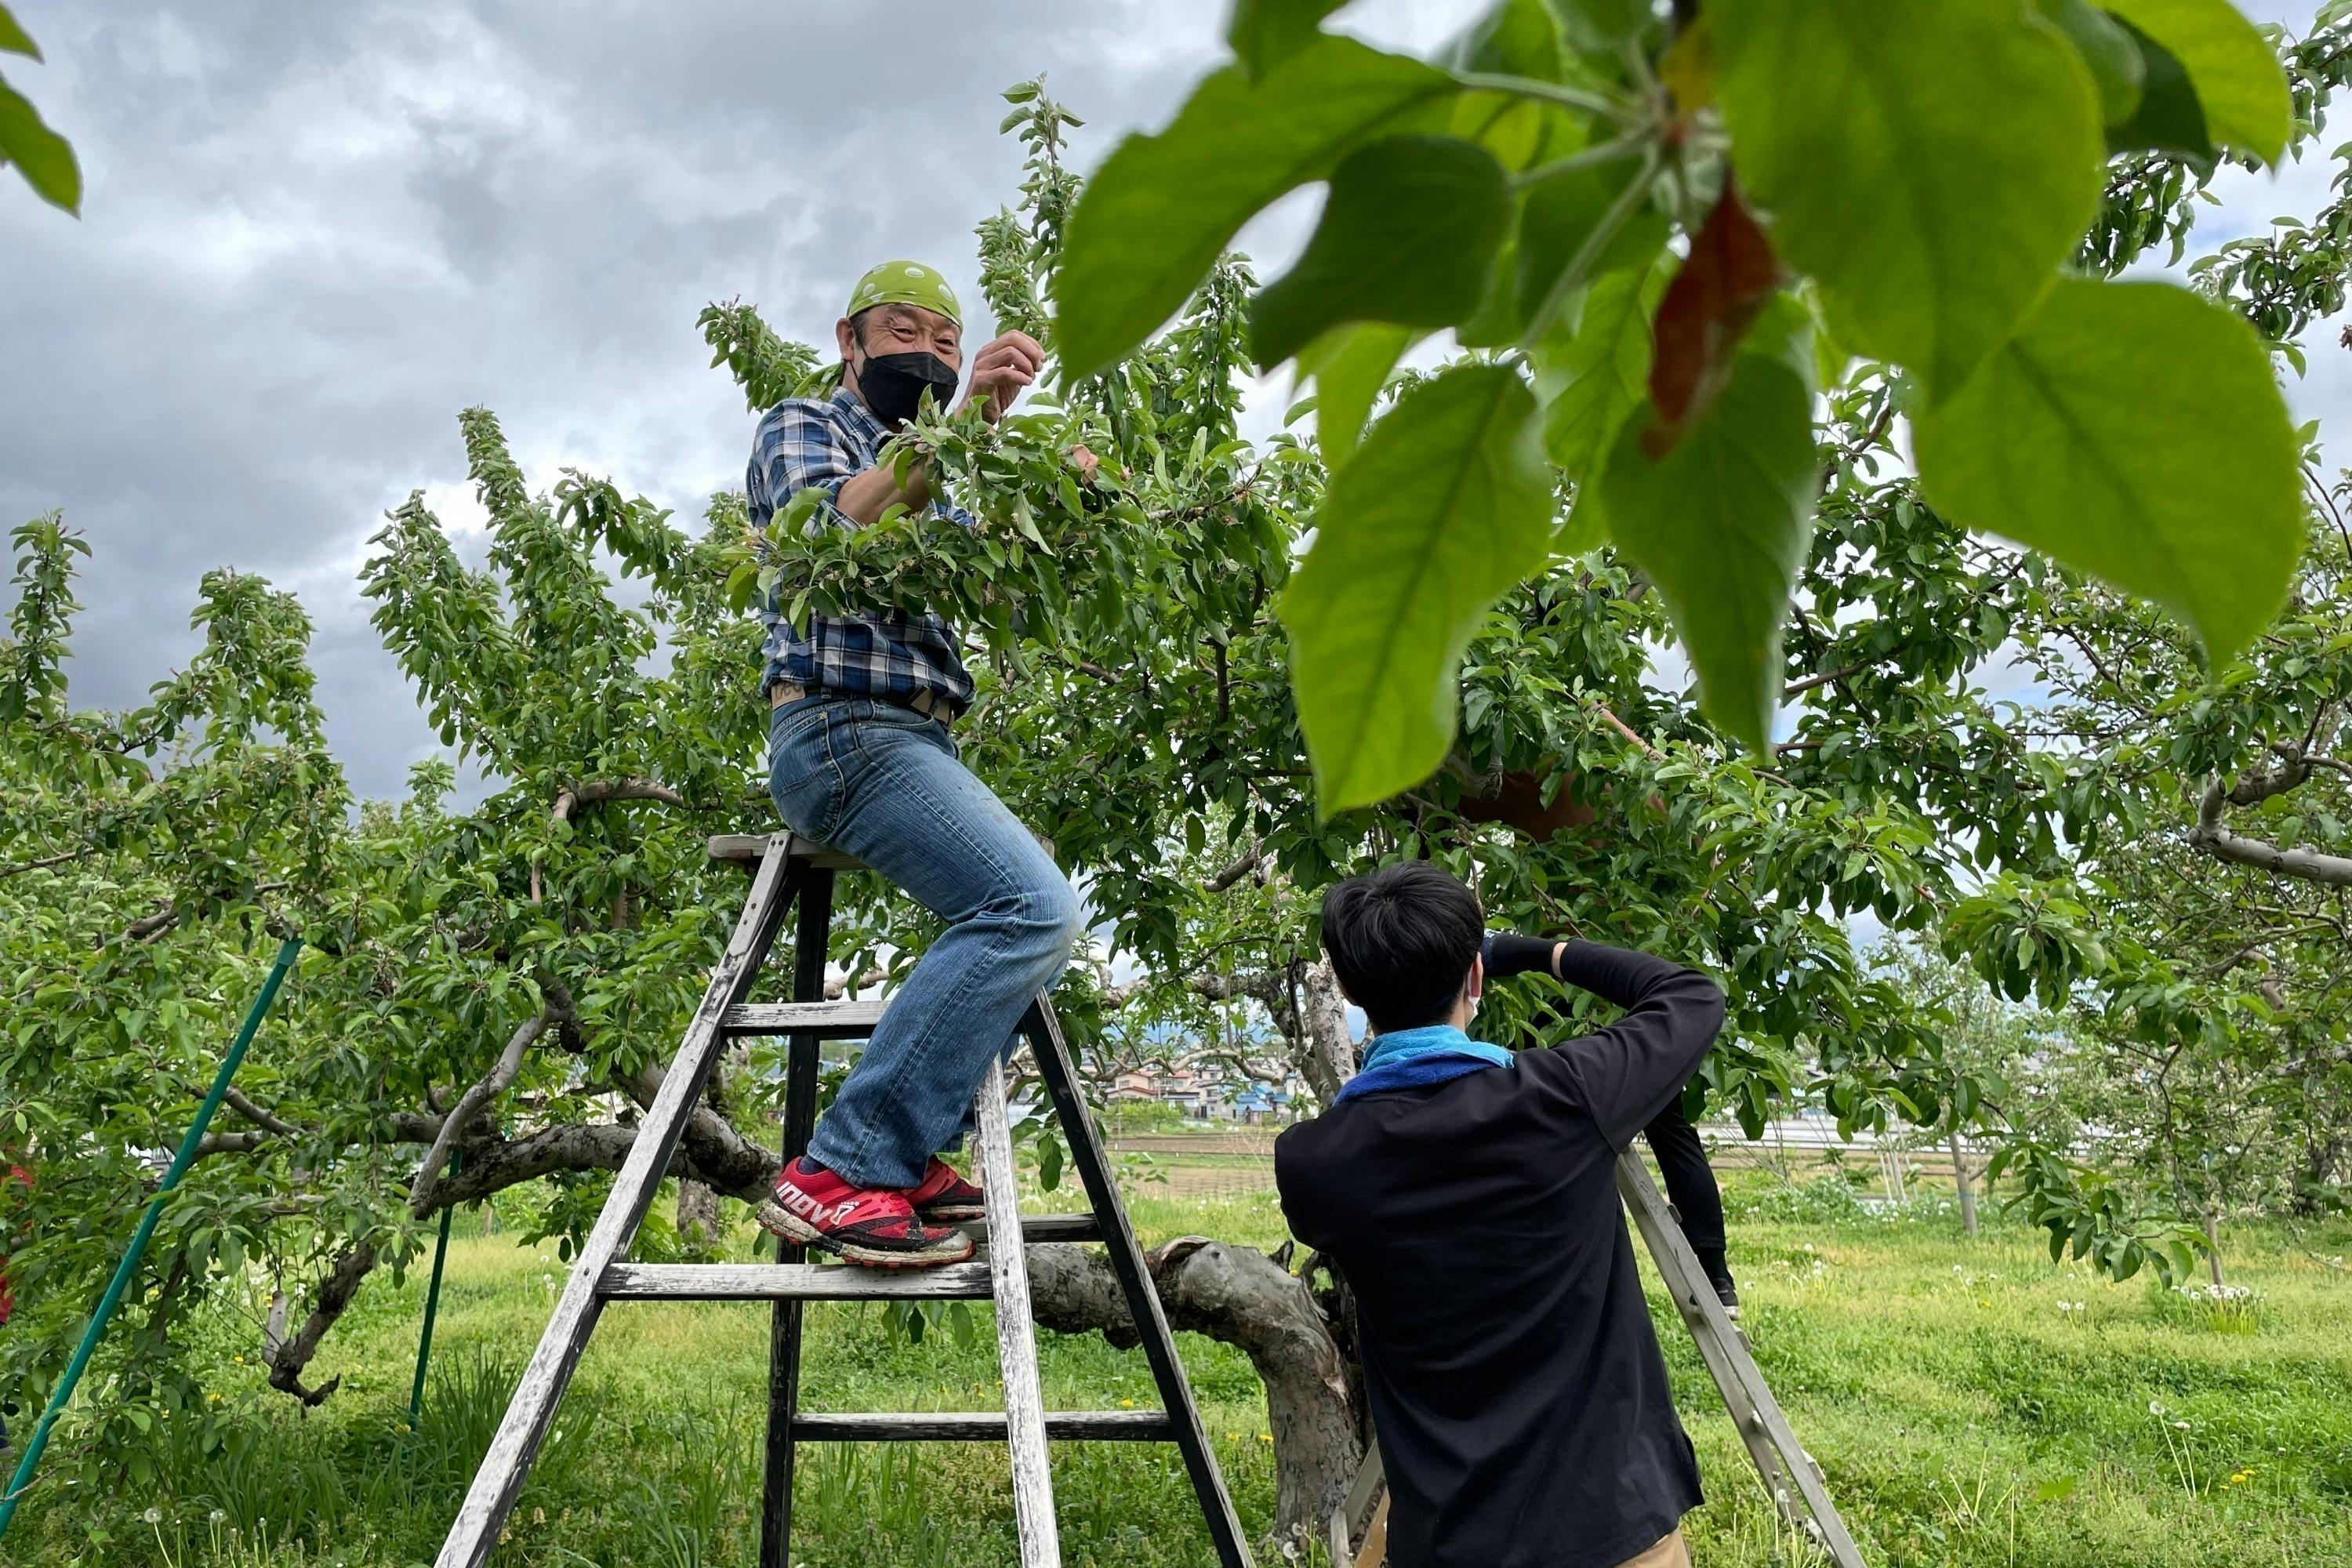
{"points": [[1972, 1404]]}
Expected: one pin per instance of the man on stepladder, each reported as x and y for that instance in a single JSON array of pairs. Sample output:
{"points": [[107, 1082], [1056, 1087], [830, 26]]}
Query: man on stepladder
{"points": [[860, 759], [1469, 1197]]}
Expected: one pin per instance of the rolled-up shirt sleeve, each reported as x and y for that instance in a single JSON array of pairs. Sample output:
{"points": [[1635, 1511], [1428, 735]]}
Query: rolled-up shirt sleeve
{"points": [[799, 447]]}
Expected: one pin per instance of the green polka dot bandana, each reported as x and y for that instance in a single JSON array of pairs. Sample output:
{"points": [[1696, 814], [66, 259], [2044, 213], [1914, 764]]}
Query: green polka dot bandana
{"points": [[906, 283]]}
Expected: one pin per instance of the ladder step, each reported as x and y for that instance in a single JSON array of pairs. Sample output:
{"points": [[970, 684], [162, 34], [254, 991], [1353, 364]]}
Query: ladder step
{"points": [[751, 848], [1035, 1227], [791, 1282], [826, 1020], [982, 1426]]}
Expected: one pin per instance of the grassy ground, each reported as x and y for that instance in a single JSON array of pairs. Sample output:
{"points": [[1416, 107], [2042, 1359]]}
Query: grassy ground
{"points": [[1970, 1403]]}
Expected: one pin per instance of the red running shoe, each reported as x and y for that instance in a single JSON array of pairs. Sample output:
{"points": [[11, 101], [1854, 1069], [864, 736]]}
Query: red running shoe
{"points": [[944, 1197], [875, 1226]]}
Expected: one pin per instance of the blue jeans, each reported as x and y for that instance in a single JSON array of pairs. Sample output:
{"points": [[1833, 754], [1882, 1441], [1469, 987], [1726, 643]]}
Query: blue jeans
{"points": [[883, 783]]}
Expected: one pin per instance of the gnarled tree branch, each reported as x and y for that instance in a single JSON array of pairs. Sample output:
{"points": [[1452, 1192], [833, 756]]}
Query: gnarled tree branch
{"points": [[1243, 1297], [287, 1359], [596, 790], [259, 1116], [554, 1008], [2212, 837]]}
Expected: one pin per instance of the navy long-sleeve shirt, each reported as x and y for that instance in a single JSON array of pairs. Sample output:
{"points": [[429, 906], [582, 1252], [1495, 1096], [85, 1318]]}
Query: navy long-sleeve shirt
{"points": [[1518, 1392]]}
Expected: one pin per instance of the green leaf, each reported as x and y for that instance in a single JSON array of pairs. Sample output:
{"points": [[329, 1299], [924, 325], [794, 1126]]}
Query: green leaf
{"points": [[40, 154], [2169, 119], [1517, 38], [14, 40], [1351, 364], [1407, 236], [1562, 213], [2108, 52], [1264, 32], [1721, 524], [1930, 165], [2134, 431], [1601, 27], [1157, 214], [1447, 505], [2239, 81], [1592, 379]]}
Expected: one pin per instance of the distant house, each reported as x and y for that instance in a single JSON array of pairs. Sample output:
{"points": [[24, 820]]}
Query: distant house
{"points": [[1209, 1094]]}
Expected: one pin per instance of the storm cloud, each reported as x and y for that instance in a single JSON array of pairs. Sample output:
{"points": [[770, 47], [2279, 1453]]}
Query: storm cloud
{"points": [[312, 232]]}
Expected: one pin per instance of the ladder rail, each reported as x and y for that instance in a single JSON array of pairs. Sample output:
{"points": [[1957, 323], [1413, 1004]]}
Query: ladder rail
{"points": [[499, 1480], [1017, 1333], [1126, 1262], [811, 943], [788, 871], [1763, 1426]]}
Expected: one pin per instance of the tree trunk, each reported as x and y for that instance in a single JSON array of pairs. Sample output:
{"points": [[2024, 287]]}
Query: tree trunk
{"points": [[1242, 1297], [2319, 1158], [1330, 1053], [2213, 1244], [1961, 1180], [698, 1215]]}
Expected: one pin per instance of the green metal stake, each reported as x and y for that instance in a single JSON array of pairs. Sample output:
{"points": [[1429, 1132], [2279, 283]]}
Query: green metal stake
{"points": [[113, 1299], [432, 1301]]}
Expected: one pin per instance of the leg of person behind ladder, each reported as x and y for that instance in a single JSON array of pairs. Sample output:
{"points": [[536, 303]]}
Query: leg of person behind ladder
{"points": [[860, 758]]}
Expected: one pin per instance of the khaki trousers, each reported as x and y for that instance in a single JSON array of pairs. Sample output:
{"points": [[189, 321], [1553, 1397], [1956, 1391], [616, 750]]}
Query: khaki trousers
{"points": [[1668, 1554]]}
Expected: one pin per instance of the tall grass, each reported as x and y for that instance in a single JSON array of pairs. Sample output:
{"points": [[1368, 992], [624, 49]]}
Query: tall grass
{"points": [[1973, 1406]]}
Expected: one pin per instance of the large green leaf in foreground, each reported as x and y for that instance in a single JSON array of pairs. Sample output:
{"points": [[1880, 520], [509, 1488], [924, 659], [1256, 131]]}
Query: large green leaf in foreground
{"points": [[1264, 33], [1351, 364], [1721, 525], [1930, 162], [1157, 213], [1447, 504], [2134, 431], [2239, 84], [1407, 236], [1594, 378]]}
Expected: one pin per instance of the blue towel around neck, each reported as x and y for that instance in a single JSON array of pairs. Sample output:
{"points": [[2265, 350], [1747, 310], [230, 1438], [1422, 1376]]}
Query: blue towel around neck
{"points": [[1407, 1058]]}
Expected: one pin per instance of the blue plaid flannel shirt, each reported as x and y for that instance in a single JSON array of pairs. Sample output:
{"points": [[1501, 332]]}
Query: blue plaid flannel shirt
{"points": [[887, 654]]}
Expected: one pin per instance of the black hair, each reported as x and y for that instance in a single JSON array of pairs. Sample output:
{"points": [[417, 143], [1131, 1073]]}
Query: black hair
{"points": [[1402, 940]]}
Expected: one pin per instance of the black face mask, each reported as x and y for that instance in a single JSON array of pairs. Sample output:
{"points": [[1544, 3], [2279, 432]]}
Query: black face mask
{"points": [[893, 385]]}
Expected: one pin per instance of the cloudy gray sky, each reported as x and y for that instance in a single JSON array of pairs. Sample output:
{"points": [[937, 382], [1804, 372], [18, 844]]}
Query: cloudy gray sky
{"points": [[312, 232]]}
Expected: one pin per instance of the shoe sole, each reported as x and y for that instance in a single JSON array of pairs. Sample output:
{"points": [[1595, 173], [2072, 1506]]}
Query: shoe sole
{"points": [[776, 1222], [949, 1213]]}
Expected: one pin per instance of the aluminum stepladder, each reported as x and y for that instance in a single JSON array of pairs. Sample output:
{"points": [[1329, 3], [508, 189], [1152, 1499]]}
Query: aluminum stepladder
{"points": [[1789, 1473], [788, 872]]}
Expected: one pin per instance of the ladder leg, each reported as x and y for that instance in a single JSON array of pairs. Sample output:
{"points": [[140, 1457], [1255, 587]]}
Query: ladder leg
{"points": [[1017, 1333], [475, 1529], [1044, 1032], [1786, 1471], [784, 1327]]}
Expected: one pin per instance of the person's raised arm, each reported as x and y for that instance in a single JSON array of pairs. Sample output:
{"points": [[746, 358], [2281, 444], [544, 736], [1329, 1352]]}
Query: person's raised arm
{"points": [[1628, 1072], [1508, 954], [863, 498], [799, 450]]}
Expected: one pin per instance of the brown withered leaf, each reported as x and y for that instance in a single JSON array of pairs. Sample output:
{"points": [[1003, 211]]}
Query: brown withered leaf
{"points": [[1725, 281]]}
